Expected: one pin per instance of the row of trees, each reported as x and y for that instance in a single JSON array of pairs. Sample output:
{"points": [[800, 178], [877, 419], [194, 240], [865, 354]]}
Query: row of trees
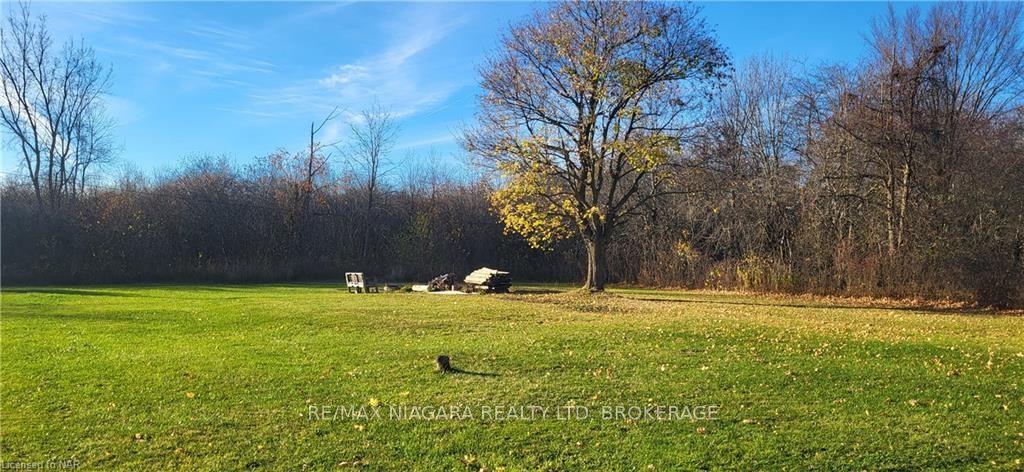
{"points": [[618, 140], [210, 220]]}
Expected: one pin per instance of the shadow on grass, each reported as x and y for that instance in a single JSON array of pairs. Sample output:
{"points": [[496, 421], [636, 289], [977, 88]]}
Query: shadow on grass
{"points": [[77, 316], [533, 291], [72, 291], [455, 370]]}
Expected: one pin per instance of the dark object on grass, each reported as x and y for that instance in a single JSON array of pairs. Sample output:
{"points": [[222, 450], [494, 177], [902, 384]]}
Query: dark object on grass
{"points": [[488, 280], [443, 364], [442, 283]]}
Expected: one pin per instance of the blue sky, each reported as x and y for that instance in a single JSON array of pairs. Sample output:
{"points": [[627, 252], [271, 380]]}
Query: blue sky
{"points": [[242, 79]]}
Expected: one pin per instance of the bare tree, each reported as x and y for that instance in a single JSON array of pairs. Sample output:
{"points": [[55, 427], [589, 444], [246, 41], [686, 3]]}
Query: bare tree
{"points": [[300, 182], [979, 74], [95, 147], [49, 98], [316, 159], [902, 144], [373, 137], [755, 136]]}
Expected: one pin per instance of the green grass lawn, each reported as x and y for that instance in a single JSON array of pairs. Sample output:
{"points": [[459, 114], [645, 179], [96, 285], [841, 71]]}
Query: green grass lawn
{"points": [[224, 377]]}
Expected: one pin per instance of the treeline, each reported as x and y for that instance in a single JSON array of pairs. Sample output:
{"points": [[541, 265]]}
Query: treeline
{"points": [[902, 175], [212, 221]]}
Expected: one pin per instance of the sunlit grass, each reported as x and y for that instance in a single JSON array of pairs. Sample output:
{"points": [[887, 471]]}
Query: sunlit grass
{"points": [[223, 377]]}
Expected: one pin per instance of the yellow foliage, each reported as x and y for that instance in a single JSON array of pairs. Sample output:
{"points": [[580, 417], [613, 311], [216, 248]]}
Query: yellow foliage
{"points": [[646, 153], [686, 252], [523, 210]]}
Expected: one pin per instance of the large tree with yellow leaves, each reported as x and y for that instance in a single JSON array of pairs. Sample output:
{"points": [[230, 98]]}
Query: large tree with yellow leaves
{"points": [[583, 115]]}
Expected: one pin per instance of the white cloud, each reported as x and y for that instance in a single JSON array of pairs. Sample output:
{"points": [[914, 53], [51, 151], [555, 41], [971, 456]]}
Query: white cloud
{"points": [[118, 14], [123, 111], [440, 139], [245, 112], [222, 36], [319, 10], [332, 132], [346, 74], [215, 64], [395, 76]]}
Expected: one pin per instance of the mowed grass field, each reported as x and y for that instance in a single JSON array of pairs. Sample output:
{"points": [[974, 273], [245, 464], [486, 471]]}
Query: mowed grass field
{"points": [[223, 378]]}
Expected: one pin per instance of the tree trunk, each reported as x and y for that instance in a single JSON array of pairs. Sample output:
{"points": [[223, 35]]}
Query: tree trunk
{"points": [[597, 264], [368, 222]]}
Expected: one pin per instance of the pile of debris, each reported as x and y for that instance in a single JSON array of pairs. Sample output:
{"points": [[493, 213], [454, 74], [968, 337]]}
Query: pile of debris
{"points": [[490, 280], [441, 283]]}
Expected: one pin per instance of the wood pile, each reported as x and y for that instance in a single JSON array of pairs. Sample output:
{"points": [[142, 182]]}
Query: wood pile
{"points": [[490, 280], [441, 283]]}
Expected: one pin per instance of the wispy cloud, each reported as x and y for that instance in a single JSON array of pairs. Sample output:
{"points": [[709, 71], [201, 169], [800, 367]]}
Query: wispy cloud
{"points": [[395, 76], [245, 112], [221, 35], [124, 111], [213, 61], [433, 141], [108, 14], [73, 20], [314, 11]]}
